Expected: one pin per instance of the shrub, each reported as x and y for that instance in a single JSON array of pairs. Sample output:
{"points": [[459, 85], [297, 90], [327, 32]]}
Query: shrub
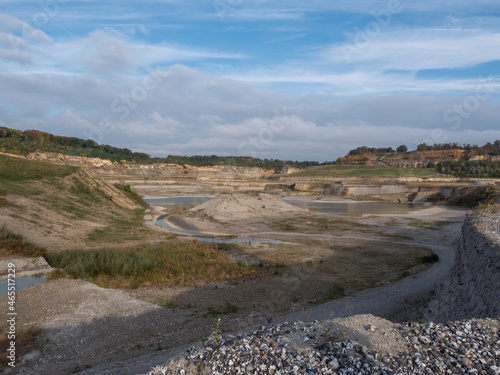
{"points": [[11, 243]]}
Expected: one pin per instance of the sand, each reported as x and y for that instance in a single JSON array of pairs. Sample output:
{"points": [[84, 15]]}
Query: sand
{"points": [[228, 207]]}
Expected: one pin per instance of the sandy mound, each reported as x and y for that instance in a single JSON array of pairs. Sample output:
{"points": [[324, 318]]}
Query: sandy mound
{"points": [[227, 207]]}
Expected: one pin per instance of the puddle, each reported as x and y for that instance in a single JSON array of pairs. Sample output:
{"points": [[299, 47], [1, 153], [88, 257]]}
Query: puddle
{"points": [[357, 208], [22, 283]]}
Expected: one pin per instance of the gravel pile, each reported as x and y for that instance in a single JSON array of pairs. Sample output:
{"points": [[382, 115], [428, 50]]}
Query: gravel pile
{"points": [[490, 223], [465, 347]]}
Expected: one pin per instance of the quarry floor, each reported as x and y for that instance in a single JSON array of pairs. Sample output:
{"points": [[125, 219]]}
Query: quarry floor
{"points": [[85, 326]]}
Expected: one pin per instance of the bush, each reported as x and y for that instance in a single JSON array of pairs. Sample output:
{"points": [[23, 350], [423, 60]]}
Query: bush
{"points": [[429, 259], [127, 189], [14, 244]]}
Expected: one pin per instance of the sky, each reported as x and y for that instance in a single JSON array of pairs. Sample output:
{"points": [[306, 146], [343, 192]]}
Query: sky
{"points": [[290, 80]]}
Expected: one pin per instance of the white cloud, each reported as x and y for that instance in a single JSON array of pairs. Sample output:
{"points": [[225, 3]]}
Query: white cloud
{"points": [[417, 49]]}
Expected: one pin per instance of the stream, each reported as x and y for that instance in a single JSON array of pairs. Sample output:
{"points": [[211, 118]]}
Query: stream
{"points": [[22, 283]]}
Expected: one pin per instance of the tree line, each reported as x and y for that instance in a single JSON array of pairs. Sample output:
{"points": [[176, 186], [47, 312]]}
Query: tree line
{"points": [[25, 142]]}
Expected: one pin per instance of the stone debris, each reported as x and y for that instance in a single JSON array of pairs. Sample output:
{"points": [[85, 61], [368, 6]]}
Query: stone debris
{"points": [[462, 347], [489, 223]]}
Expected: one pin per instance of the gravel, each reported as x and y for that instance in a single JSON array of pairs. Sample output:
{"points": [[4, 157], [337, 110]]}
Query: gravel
{"points": [[462, 347], [490, 224]]}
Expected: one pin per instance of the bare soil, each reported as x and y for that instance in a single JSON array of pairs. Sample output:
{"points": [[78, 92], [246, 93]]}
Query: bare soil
{"points": [[84, 325]]}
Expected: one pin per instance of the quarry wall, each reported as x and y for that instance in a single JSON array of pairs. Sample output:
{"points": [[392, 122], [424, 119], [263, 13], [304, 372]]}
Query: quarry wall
{"points": [[472, 289]]}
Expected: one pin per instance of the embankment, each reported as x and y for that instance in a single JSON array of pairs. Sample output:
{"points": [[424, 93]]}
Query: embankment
{"points": [[472, 289]]}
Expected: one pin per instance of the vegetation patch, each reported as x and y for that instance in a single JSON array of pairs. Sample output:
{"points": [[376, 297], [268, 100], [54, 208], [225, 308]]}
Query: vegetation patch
{"points": [[432, 225], [14, 172], [132, 194], [121, 229], [360, 170], [17, 169], [229, 308], [5, 203], [171, 263], [335, 292], [284, 226], [429, 259], [14, 244]]}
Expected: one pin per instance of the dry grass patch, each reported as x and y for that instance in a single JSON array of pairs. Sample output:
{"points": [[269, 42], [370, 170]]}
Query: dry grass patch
{"points": [[172, 263], [361, 266]]}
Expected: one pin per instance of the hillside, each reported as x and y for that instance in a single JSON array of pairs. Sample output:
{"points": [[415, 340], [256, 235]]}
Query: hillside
{"points": [[462, 160], [59, 206], [25, 142]]}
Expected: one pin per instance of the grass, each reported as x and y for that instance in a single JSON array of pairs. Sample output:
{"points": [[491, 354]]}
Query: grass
{"points": [[228, 309], [335, 292], [432, 225], [365, 265], [14, 244], [5, 203], [132, 194], [358, 170], [15, 171], [120, 229], [173, 263], [313, 224], [284, 226]]}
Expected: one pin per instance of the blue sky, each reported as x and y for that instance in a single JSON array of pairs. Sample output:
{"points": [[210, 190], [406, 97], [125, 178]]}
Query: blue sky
{"points": [[271, 79]]}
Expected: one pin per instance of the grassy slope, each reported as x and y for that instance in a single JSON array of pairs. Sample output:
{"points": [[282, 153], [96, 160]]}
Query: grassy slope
{"points": [[62, 195], [78, 196], [14, 172], [357, 170]]}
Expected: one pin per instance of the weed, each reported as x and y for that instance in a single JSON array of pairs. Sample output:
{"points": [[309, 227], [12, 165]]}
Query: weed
{"points": [[332, 337], [11, 243], [166, 263], [215, 336], [56, 274]]}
